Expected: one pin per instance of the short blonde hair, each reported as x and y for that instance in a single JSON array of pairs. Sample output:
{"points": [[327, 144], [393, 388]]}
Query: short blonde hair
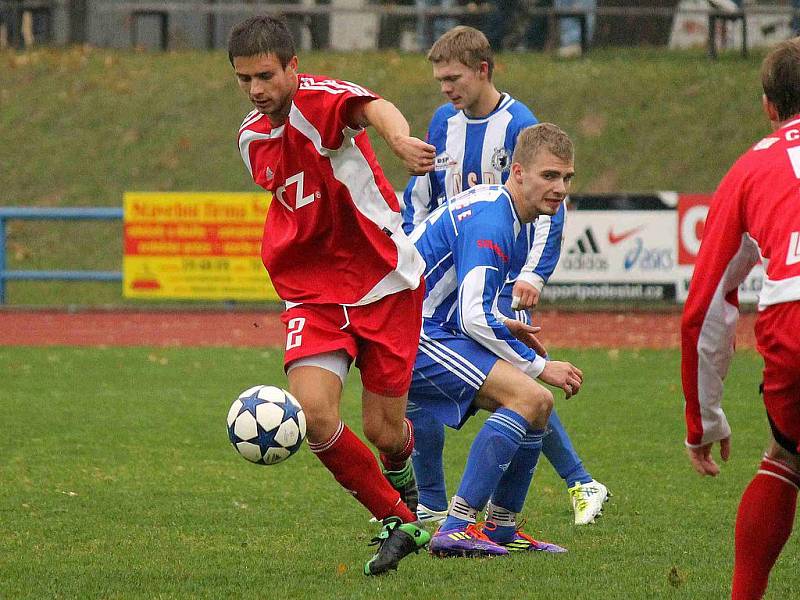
{"points": [[543, 136], [464, 44]]}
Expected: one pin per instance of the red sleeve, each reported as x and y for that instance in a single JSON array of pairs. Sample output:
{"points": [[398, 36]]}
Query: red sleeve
{"points": [[327, 104], [709, 319]]}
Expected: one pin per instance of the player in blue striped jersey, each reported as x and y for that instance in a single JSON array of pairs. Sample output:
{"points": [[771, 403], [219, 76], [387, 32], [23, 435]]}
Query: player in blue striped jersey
{"points": [[475, 135], [472, 357]]}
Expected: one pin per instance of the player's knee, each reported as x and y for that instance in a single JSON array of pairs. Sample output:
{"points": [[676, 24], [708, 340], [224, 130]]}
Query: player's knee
{"points": [[384, 435], [542, 404], [534, 403], [321, 421]]}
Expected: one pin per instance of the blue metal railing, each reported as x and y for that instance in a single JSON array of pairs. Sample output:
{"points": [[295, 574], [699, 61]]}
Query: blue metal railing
{"points": [[44, 214]]}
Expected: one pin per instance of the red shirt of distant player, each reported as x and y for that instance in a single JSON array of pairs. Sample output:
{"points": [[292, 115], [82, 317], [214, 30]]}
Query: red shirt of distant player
{"points": [[755, 212], [333, 233]]}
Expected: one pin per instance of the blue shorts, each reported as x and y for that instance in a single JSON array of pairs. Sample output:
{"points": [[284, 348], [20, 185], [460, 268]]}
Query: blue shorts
{"points": [[449, 370]]}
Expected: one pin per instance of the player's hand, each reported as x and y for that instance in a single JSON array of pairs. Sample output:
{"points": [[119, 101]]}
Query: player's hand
{"points": [[703, 462], [524, 296], [527, 335], [563, 375], [417, 156]]}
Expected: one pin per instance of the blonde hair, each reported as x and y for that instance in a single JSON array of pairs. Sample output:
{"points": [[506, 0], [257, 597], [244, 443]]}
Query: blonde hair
{"points": [[542, 136], [464, 44]]}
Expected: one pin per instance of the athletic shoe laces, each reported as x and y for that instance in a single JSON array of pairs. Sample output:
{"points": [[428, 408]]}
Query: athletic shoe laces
{"points": [[475, 530]]}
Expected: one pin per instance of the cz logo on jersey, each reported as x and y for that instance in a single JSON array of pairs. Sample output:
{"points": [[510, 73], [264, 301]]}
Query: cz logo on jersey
{"points": [[299, 199]]}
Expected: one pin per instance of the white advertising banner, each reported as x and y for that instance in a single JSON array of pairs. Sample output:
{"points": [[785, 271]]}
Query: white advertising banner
{"points": [[634, 255], [617, 255]]}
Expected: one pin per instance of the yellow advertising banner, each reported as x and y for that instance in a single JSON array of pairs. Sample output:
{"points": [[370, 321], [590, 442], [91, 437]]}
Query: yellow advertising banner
{"points": [[195, 246]]}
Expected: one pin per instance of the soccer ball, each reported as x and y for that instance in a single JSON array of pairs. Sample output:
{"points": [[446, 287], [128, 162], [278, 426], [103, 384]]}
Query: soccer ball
{"points": [[266, 424]]}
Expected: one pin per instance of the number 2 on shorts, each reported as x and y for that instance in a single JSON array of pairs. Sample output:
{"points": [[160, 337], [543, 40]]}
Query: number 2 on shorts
{"points": [[294, 331]]}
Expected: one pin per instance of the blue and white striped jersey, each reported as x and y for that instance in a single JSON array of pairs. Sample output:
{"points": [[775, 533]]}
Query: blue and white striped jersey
{"points": [[475, 151], [468, 244], [535, 257], [468, 152]]}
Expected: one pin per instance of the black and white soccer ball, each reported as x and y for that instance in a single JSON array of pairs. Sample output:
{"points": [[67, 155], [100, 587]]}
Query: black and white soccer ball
{"points": [[266, 424]]}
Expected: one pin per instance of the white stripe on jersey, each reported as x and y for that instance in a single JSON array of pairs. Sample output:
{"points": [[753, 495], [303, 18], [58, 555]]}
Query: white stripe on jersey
{"points": [[336, 87], [493, 138], [251, 118], [436, 266], [454, 148], [775, 291], [247, 137], [475, 324], [541, 229], [351, 167], [440, 290]]}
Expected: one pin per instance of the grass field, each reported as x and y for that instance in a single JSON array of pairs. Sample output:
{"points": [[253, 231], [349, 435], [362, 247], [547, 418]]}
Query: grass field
{"points": [[79, 127], [117, 481]]}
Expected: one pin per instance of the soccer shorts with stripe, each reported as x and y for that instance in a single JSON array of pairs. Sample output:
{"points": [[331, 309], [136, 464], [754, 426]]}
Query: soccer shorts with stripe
{"points": [[449, 370]]}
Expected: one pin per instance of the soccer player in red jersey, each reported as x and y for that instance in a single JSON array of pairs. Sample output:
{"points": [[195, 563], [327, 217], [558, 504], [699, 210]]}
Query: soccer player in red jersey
{"points": [[336, 253], [755, 214]]}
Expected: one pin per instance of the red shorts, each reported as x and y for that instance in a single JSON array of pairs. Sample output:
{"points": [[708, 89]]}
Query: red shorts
{"points": [[382, 337], [778, 336]]}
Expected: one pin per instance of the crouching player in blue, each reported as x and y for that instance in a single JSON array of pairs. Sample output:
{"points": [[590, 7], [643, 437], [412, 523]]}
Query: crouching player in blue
{"points": [[471, 357], [475, 135]]}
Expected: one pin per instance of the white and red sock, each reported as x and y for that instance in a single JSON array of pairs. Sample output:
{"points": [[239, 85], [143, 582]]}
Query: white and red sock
{"points": [[354, 466]]}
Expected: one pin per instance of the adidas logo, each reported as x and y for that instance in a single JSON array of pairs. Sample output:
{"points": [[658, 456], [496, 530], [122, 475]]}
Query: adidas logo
{"points": [[585, 254], [586, 243]]}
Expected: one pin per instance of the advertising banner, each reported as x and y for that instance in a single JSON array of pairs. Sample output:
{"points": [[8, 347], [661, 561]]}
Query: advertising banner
{"points": [[194, 246], [616, 255], [634, 248]]}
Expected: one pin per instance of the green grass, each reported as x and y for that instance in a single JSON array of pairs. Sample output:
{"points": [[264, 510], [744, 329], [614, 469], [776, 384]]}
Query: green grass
{"points": [[118, 482], [82, 126]]}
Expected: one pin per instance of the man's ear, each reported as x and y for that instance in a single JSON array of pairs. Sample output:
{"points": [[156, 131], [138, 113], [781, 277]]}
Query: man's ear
{"points": [[770, 109], [516, 171]]}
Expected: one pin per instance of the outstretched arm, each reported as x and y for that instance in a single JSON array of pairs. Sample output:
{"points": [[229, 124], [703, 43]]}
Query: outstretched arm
{"points": [[392, 126]]}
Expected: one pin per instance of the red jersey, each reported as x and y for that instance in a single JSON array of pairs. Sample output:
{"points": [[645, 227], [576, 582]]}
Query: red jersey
{"points": [[333, 233], [755, 213]]}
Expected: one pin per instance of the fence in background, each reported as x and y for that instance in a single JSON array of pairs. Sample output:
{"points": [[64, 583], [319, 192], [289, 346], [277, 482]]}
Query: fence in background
{"points": [[45, 214], [364, 24]]}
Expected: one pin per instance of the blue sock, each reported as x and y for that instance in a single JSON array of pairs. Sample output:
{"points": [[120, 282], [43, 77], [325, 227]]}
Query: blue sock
{"points": [[513, 486], [427, 458], [489, 457], [558, 449]]}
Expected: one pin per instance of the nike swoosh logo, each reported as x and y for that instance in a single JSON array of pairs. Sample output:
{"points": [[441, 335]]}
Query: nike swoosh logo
{"points": [[617, 238]]}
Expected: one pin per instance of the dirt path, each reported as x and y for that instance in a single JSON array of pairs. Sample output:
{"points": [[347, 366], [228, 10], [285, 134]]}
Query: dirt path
{"points": [[252, 329]]}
